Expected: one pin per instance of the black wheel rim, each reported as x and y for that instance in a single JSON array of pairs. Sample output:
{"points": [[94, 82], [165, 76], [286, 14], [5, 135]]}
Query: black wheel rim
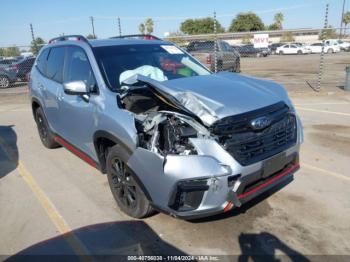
{"points": [[42, 127], [123, 183]]}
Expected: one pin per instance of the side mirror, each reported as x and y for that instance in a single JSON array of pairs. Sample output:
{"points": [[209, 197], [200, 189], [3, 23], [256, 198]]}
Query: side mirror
{"points": [[76, 88]]}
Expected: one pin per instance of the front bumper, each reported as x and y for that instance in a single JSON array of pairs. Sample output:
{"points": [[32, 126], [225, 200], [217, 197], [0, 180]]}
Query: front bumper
{"points": [[227, 184]]}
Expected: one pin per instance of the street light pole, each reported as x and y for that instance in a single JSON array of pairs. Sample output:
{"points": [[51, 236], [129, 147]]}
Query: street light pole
{"points": [[93, 26], [342, 17]]}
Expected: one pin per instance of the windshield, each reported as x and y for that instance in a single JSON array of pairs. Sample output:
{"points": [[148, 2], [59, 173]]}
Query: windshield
{"points": [[159, 62]]}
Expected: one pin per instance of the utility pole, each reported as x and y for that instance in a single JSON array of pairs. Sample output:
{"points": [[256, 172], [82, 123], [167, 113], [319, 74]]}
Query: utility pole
{"points": [[119, 27], [215, 46], [92, 25], [342, 17], [33, 38]]}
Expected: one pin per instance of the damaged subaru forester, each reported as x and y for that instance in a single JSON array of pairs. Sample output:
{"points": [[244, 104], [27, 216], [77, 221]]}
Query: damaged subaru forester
{"points": [[171, 135]]}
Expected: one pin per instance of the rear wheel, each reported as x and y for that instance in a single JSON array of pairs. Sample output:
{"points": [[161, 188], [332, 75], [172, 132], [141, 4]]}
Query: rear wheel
{"points": [[46, 136], [281, 53], [4, 82], [126, 192], [300, 52]]}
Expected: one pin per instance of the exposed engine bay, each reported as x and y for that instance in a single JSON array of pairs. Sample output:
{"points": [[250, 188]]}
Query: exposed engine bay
{"points": [[163, 127]]}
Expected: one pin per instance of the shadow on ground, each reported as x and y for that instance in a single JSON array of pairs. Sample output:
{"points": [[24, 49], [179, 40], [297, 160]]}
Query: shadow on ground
{"points": [[8, 150], [263, 247], [104, 242]]}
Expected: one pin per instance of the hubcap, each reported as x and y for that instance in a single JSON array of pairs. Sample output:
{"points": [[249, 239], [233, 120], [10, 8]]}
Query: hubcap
{"points": [[123, 183], [4, 82]]}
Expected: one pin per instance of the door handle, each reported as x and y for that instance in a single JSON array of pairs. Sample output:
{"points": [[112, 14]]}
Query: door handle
{"points": [[60, 96]]}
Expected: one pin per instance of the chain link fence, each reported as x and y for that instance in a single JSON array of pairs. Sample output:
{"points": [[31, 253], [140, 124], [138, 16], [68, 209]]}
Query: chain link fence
{"points": [[298, 58]]}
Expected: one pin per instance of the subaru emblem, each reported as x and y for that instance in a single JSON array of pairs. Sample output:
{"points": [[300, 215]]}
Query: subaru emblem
{"points": [[260, 123]]}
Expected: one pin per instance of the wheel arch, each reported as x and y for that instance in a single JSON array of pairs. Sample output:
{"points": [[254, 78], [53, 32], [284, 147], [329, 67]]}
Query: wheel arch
{"points": [[102, 141]]}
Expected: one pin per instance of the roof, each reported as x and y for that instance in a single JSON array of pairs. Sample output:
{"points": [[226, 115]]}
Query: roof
{"points": [[117, 41]]}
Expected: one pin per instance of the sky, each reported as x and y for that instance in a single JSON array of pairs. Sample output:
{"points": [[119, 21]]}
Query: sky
{"points": [[51, 18]]}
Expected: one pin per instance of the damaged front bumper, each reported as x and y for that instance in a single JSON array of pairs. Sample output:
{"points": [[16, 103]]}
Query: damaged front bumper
{"points": [[193, 186]]}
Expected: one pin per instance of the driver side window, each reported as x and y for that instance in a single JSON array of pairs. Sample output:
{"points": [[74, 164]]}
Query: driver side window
{"points": [[77, 68]]}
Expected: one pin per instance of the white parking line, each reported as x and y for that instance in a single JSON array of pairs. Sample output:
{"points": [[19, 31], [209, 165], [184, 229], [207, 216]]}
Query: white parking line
{"points": [[325, 172], [321, 104], [322, 111]]}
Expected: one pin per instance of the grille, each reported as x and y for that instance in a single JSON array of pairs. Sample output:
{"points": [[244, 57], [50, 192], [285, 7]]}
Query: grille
{"points": [[248, 146]]}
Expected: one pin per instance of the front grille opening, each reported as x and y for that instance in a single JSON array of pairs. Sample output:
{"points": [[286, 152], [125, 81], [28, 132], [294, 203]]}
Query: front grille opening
{"points": [[249, 146]]}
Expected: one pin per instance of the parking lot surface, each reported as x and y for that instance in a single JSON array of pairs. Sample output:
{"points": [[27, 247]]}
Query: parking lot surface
{"points": [[52, 202]]}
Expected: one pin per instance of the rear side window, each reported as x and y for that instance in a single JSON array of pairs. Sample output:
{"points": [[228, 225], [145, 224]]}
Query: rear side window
{"points": [[55, 63], [77, 67], [41, 62]]}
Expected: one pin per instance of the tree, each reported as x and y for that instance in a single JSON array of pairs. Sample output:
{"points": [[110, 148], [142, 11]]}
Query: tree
{"points": [[2, 51], [142, 28], [10, 51], [200, 26], [149, 25], [278, 20], [246, 22], [328, 33], [287, 37], [91, 36], [36, 45], [346, 18]]}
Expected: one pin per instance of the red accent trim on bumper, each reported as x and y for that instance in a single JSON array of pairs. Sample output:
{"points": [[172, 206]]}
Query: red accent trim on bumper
{"points": [[279, 176], [75, 151]]}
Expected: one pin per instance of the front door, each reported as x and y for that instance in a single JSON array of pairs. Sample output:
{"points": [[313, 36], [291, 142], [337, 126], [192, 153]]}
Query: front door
{"points": [[78, 112]]}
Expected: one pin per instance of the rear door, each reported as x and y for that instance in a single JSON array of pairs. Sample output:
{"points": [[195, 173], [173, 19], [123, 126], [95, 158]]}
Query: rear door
{"points": [[50, 84], [78, 112]]}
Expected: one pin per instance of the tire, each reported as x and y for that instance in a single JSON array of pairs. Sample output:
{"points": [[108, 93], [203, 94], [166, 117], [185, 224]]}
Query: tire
{"points": [[219, 66], [45, 134], [127, 193], [258, 55], [330, 51], [300, 52], [4, 82], [281, 53]]}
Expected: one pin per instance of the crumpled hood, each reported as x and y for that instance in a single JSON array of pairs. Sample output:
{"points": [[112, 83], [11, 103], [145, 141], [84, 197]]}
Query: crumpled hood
{"points": [[215, 96]]}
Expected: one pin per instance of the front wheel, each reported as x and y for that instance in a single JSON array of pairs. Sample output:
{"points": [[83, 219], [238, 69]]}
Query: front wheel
{"points": [[46, 136], [300, 52], [330, 51], [129, 196], [4, 82], [281, 53]]}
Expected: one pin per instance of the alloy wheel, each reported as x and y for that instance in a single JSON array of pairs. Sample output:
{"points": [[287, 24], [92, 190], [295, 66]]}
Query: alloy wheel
{"points": [[123, 183]]}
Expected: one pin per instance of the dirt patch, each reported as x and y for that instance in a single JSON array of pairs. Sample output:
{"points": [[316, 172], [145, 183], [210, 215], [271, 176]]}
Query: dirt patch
{"points": [[332, 128], [332, 141]]}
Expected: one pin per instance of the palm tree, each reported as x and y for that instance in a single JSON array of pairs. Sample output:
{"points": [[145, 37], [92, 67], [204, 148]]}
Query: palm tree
{"points": [[149, 25], [278, 20], [142, 28], [346, 20]]}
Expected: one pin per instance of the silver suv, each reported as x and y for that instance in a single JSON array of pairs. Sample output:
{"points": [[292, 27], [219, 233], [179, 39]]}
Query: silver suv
{"points": [[171, 135]]}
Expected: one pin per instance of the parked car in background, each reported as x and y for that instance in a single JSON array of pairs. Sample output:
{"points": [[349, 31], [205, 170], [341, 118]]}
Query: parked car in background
{"points": [[7, 62], [340, 43], [23, 67], [316, 48], [250, 51], [7, 77], [289, 49], [228, 59], [274, 46]]}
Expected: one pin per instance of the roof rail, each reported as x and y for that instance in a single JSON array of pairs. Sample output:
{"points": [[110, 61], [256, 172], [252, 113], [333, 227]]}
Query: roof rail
{"points": [[69, 37], [138, 36]]}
